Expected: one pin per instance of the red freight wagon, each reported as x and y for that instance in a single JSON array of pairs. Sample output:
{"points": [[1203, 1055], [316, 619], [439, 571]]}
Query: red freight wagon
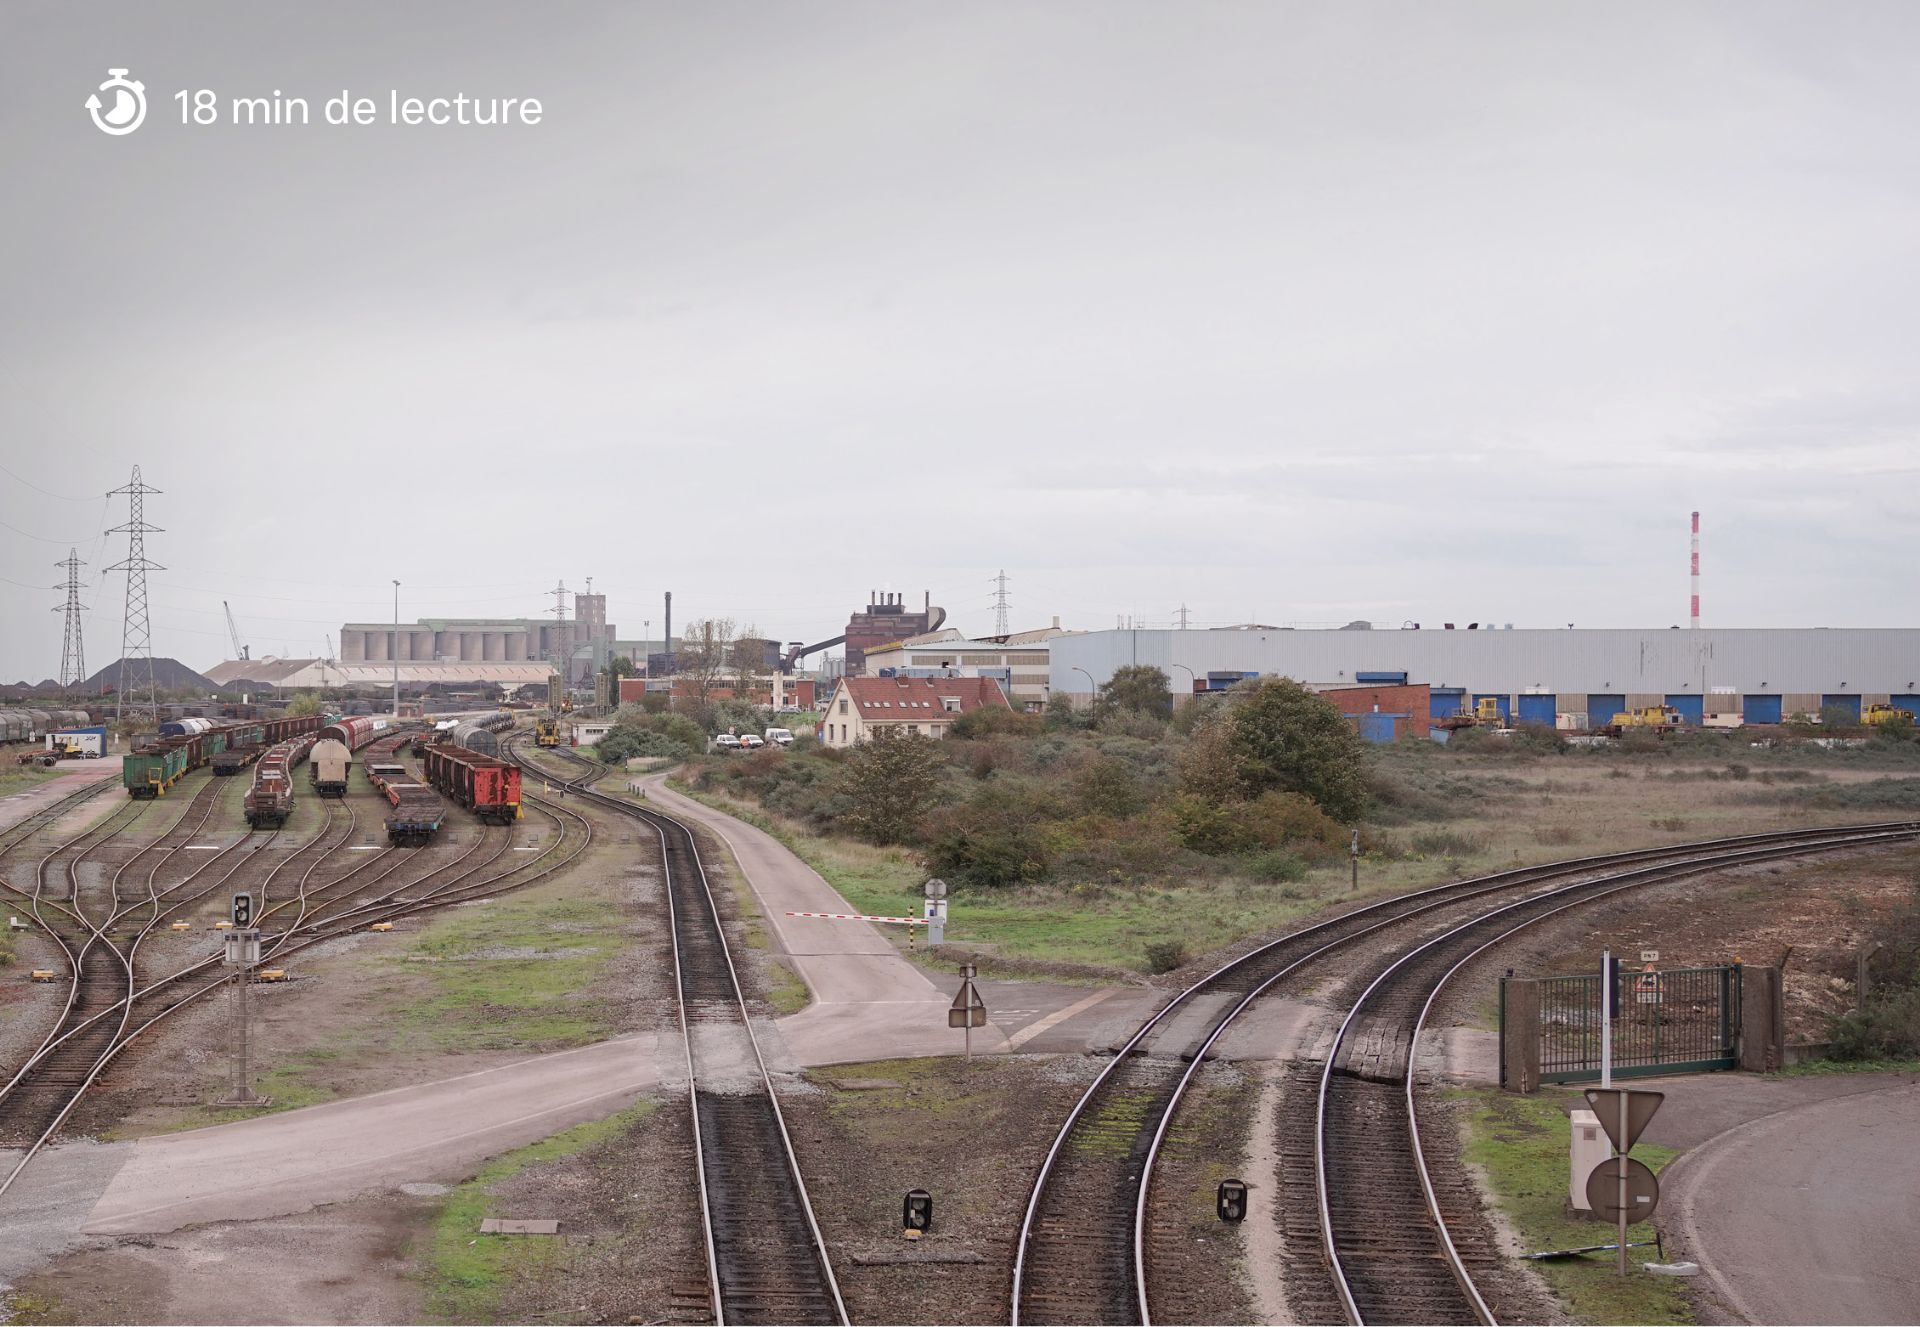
{"points": [[354, 733], [489, 788]]}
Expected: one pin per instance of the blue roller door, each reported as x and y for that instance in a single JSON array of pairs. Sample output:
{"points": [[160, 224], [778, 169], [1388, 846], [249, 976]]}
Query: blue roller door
{"points": [[1378, 727], [1911, 704], [1444, 703], [1692, 709], [1537, 709], [1506, 705], [1851, 704], [1760, 709], [1603, 710]]}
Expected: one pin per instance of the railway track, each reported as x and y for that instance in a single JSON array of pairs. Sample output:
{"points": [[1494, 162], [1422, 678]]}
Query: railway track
{"points": [[103, 1018], [1072, 1268], [767, 1261]]}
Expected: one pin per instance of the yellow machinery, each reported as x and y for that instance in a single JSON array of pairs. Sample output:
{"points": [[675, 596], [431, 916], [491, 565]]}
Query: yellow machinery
{"points": [[546, 732], [1653, 717], [1487, 710], [1878, 714]]}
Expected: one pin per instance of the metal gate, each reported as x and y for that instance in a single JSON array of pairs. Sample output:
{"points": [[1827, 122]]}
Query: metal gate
{"points": [[1682, 1020]]}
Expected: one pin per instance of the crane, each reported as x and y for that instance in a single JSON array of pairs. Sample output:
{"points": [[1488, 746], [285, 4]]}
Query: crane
{"points": [[239, 651]]}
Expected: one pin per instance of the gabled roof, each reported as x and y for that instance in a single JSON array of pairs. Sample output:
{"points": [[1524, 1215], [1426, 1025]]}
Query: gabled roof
{"points": [[918, 699]]}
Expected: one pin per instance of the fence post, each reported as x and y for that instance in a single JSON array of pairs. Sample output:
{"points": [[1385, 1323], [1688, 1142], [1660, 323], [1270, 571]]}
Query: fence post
{"points": [[1519, 1034], [1762, 1024]]}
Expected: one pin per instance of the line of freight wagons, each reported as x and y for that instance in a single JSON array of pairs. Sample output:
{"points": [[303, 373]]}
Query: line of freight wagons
{"points": [[160, 760]]}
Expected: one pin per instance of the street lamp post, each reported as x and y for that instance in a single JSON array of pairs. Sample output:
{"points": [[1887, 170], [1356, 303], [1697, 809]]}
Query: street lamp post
{"points": [[394, 650], [1092, 690], [1192, 679]]}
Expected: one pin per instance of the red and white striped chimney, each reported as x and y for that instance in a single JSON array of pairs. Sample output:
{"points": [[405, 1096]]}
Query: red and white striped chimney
{"points": [[1696, 569]]}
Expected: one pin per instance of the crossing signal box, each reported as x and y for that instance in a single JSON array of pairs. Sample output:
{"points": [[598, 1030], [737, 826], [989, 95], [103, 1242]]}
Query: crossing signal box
{"points": [[916, 1212], [1231, 1201]]}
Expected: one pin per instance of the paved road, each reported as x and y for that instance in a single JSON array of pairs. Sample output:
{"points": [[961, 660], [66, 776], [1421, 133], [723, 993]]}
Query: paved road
{"points": [[1808, 1214], [869, 1003], [73, 774], [276, 1164]]}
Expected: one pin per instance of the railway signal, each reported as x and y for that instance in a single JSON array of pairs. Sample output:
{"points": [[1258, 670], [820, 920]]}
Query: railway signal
{"points": [[1230, 1202], [243, 909], [916, 1212]]}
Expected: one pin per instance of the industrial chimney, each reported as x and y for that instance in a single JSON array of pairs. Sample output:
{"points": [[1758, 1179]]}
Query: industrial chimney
{"points": [[1696, 569]]}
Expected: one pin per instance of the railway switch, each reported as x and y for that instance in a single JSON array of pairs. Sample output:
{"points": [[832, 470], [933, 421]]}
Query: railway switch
{"points": [[916, 1211], [1231, 1200]]}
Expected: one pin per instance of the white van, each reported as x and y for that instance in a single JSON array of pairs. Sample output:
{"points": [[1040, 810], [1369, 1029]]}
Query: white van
{"points": [[779, 737]]}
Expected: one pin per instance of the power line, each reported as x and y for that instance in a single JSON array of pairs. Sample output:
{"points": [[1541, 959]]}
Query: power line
{"points": [[136, 631]]}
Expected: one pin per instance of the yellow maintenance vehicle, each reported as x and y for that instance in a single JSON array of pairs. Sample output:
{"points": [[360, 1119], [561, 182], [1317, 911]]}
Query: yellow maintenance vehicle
{"points": [[546, 732], [1487, 710], [1650, 718], [1886, 714]]}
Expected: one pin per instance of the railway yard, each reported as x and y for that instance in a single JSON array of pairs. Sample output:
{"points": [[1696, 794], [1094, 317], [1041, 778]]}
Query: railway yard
{"points": [[593, 978]]}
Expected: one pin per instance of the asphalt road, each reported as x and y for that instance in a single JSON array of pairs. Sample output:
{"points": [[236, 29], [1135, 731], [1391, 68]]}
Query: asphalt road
{"points": [[1808, 1214]]}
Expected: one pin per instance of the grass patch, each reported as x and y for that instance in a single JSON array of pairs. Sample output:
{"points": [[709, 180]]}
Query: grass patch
{"points": [[1522, 1144], [786, 992], [285, 1086], [513, 974], [466, 1271], [19, 778], [1829, 1068]]}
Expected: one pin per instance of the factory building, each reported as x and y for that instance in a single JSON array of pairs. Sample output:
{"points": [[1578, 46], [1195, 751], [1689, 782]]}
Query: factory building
{"points": [[1019, 662], [586, 638], [1572, 678]]}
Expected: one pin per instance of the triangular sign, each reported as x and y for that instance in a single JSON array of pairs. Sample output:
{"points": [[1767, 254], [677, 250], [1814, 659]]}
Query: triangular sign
{"points": [[1605, 1102]]}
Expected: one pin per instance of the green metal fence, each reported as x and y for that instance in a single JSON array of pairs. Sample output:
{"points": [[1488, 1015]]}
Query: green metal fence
{"points": [[1682, 1020]]}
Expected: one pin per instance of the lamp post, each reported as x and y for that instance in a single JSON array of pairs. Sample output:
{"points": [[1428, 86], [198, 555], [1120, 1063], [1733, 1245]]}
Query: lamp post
{"points": [[394, 650], [1193, 680], [1092, 690]]}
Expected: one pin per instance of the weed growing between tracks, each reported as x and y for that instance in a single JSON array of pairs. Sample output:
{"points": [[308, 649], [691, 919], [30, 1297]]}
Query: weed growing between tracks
{"points": [[467, 1272], [1521, 1144]]}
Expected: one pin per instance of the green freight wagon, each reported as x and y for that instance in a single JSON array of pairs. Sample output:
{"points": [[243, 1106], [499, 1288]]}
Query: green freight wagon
{"points": [[151, 773]]}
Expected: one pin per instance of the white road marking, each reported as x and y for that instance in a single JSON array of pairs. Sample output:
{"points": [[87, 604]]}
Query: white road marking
{"points": [[1032, 1030]]}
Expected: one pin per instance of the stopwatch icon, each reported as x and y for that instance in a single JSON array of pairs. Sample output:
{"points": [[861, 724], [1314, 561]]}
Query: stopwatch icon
{"points": [[129, 104]]}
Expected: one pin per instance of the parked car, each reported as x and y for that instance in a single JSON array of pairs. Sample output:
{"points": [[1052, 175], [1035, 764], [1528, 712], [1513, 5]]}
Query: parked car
{"points": [[751, 741], [779, 737], [726, 742]]}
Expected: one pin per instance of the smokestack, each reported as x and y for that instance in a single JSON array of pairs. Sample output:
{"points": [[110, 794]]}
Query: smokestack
{"points": [[666, 641], [1696, 569]]}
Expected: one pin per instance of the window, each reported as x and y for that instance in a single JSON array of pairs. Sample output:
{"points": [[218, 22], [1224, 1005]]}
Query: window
{"points": [[951, 704], [843, 710]]}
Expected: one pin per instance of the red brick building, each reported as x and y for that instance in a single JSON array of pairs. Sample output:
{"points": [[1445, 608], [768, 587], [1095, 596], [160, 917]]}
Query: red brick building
{"points": [[1384, 713], [861, 707]]}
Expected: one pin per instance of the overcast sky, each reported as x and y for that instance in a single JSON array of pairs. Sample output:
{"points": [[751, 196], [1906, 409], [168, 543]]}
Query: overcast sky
{"points": [[1287, 312]]}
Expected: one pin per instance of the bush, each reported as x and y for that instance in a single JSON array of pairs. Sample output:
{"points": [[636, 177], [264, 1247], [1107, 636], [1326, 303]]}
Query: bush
{"points": [[1164, 956], [988, 721], [1277, 866], [1287, 739], [1888, 1028], [1448, 843]]}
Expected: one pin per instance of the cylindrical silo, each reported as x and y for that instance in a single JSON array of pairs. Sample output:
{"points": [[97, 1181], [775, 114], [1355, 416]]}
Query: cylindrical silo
{"points": [[377, 647], [495, 643]]}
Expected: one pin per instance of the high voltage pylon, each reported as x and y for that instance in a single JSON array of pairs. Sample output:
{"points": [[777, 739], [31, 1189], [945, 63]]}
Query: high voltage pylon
{"points": [[136, 633], [562, 657], [1000, 604], [73, 655]]}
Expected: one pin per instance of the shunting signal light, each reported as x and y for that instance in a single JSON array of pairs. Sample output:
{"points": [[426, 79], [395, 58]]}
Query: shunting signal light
{"points": [[1231, 1201], [916, 1212]]}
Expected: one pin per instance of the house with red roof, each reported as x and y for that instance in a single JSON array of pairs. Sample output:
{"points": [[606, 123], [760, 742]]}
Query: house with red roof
{"points": [[861, 708]]}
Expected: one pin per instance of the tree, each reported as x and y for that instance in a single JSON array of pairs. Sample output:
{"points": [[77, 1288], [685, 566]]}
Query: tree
{"points": [[307, 702], [892, 781], [703, 657], [1286, 738], [1141, 688], [747, 664]]}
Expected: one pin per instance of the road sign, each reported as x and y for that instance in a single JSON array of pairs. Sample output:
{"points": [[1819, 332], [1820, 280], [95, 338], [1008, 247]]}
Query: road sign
{"points": [[936, 888], [243, 909], [968, 1009], [1649, 956], [1603, 1190], [1605, 1102]]}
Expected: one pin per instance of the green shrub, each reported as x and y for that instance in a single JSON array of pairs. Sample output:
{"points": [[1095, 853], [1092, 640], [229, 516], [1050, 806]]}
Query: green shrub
{"points": [[1165, 955], [1277, 866], [1448, 843]]}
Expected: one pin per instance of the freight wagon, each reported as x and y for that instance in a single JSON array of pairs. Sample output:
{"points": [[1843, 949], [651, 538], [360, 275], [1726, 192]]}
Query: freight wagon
{"points": [[488, 787], [417, 808], [270, 801], [18, 725], [331, 763], [148, 774]]}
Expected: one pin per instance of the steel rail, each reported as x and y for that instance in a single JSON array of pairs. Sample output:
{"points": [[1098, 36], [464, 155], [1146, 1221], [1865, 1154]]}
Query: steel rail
{"points": [[1589, 891], [1396, 911], [662, 824]]}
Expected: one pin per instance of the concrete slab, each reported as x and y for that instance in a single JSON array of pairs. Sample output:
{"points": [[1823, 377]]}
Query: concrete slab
{"points": [[278, 1164], [869, 1002]]}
